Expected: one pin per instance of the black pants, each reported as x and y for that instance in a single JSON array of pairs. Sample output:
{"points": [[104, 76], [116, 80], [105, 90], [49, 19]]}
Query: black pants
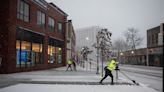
{"points": [[69, 66], [74, 66], [107, 73]]}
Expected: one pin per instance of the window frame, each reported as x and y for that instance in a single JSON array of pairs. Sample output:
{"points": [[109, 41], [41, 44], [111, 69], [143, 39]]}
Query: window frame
{"points": [[51, 24], [23, 11], [41, 19], [60, 30]]}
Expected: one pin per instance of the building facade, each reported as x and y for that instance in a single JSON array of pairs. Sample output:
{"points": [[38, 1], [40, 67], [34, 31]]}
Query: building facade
{"points": [[87, 37], [150, 56], [32, 35], [155, 45], [136, 57], [71, 40]]}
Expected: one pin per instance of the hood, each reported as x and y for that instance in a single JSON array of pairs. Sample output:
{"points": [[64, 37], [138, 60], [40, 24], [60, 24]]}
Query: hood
{"points": [[113, 62]]}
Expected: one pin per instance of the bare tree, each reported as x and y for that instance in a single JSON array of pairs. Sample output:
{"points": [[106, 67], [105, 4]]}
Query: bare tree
{"points": [[133, 38], [120, 45]]}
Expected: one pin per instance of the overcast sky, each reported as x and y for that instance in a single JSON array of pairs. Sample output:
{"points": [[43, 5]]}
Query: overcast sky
{"points": [[115, 15]]}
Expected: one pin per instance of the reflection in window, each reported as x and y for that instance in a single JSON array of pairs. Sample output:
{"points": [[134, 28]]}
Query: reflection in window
{"points": [[51, 54], [54, 54], [59, 54], [36, 53], [60, 28], [51, 24], [18, 53], [27, 56], [29, 49], [23, 53]]}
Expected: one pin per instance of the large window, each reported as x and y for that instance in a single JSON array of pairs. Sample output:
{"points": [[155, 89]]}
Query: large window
{"points": [[51, 24], [23, 11], [41, 19], [51, 54], [29, 49], [55, 51], [36, 53], [59, 54], [60, 27], [54, 54]]}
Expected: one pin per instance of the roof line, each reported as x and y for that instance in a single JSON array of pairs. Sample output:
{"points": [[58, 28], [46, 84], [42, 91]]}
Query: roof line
{"points": [[58, 9]]}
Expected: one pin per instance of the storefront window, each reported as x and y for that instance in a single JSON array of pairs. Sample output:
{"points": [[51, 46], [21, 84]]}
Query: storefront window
{"points": [[59, 54], [36, 53], [25, 53], [18, 53], [55, 51], [51, 54], [29, 48]]}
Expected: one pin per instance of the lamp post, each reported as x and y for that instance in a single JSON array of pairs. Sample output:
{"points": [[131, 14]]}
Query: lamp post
{"points": [[87, 39], [97, 72]]}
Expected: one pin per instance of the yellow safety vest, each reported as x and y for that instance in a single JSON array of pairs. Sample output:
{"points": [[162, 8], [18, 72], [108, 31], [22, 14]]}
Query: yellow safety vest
{"points": [[69, 62], [111, 65]]}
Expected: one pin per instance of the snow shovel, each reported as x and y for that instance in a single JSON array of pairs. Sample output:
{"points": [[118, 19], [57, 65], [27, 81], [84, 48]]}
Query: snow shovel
{"points": [[129, 78]]}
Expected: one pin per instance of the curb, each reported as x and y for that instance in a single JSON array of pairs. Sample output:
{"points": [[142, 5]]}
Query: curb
{"points": [[74, 83]]}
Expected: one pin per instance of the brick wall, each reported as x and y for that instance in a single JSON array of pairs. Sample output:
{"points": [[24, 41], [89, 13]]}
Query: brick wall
{"points": [[8, 24]]}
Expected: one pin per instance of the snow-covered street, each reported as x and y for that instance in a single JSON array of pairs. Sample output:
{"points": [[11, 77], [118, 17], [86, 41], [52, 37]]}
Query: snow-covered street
{"points": [[150, 76]]}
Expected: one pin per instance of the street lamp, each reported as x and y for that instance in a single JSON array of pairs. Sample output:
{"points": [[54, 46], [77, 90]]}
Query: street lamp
{"points": [[121, 53], [132, 52], [87, 38], [121, 56]]}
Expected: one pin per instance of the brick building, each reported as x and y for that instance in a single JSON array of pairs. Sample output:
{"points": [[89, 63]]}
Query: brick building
{"points": [[32, 35]]}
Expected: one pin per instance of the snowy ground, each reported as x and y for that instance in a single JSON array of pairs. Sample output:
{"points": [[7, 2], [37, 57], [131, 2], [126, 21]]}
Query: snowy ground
{"points": [[75, 88], [59, 80]]}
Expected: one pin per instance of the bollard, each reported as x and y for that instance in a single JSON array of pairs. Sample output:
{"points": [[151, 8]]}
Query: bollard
{"points": [[117, 69]]}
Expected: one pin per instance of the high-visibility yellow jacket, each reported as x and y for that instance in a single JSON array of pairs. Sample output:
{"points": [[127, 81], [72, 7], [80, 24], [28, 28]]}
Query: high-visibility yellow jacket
{"points": [[69, 62], [111, 65]]}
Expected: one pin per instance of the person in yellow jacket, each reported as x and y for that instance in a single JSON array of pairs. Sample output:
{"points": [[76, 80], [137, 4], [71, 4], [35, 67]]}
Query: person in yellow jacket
{"points": [[69, 62], [108, 70]]}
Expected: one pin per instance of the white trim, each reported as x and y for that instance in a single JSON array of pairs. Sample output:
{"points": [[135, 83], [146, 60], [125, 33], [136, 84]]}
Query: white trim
{"points": [[56, 38]]}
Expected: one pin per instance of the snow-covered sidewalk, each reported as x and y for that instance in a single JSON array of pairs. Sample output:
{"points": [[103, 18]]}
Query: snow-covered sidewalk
{"points": [[59, 80], [75, 88]]}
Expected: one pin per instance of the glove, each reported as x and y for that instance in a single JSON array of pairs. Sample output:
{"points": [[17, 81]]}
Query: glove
{"points": [[117, 69]]}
